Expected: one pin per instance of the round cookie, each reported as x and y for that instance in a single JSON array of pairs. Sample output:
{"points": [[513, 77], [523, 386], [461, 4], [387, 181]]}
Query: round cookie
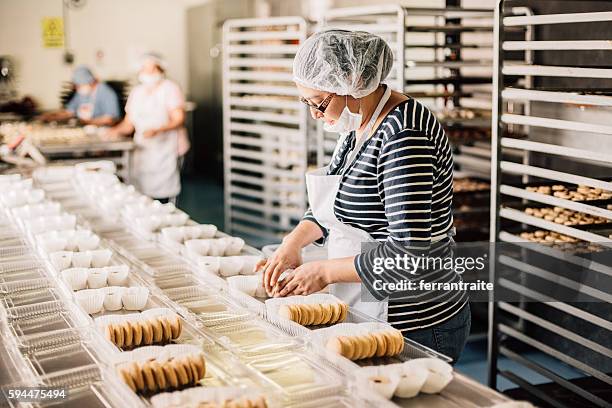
{"points": [[371, 341], [158, 331], [118, 329], [319, 314], [158, 373], [327, 313], [200, 365], [147, 333], [344, 311], [177, 328], [381, 344], [109, 333], [167, 329], [170, 374], [181, 373], [127, 378], [128, 334], [336, 312], [149, 376], [335, 345], [137, 376]]}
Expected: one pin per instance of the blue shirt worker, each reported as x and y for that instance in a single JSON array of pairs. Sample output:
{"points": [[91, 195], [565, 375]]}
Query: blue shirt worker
{"points": [[94, 102]]}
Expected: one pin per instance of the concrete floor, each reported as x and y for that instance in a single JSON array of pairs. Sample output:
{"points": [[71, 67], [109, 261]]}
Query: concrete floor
{"points": [[203, 201]]}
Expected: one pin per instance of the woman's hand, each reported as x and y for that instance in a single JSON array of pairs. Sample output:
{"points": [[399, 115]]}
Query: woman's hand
{"points": [[150, 133], [308, 278], [287, 256]]}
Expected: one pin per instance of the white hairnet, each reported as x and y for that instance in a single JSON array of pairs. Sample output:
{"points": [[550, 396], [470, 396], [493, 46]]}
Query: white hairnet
{"points": [[343, 62], [156, 58]]}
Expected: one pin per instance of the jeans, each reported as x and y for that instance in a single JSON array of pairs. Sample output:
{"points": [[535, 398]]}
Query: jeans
{"points": [[447, 338]]}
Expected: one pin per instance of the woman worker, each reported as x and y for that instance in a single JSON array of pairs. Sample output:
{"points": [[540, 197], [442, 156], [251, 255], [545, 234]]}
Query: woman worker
{"points": [[155, 113], [389, 181]]}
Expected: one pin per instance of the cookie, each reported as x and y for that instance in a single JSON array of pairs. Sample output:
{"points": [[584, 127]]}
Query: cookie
{"points": [[176, 325], [137, 376], [158, 373], [137, 334], [185, 363], [166, 328], [285, 312], [336, 312], [381, 344], [147, 333], [371, 342], [335, 345], [158, 331], [127, 378], [198, 361], [344, 311], [181, 373], [171, 377], [149, 376], [109, 333], [118, 330], [319, 315], [327, 313], [389, 342], [193, 369], [128, 334]]}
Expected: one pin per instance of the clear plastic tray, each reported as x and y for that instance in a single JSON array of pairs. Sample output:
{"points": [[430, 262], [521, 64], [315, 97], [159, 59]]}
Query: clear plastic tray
{"points": [[31, 296], [19, 265], [42, 317]]}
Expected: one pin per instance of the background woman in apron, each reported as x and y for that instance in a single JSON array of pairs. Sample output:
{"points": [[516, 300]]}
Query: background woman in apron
{"points": [[155, 113], [389, 182]]}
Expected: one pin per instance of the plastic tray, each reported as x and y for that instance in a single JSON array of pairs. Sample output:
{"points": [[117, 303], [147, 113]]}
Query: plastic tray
{"points": [[43, 317]]}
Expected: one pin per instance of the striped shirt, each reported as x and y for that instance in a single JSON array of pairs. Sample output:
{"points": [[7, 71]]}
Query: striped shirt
{"points": [[399, 190]]}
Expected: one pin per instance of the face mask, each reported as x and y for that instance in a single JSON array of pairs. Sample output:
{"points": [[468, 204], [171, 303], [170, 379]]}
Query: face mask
{"points": [[149, 79], [84, 90], [347, 122]]}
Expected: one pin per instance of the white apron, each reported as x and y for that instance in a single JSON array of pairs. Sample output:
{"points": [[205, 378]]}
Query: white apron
{"points": [[343, 240], [155, 163]]}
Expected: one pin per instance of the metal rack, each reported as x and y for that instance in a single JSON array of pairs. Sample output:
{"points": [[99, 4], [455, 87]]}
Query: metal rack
{"points": [[564, 120], [265, 127]]}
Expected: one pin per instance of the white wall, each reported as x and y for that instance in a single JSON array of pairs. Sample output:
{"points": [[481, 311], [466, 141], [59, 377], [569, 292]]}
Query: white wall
{"points": [[120, 29]]}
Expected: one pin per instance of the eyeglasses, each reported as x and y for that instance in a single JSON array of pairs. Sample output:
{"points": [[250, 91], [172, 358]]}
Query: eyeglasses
{"points": [[322, 106]]}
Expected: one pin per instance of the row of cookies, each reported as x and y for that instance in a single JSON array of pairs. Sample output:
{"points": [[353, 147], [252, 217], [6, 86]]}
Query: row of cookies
{"points": [[582, 193], [565, 216], [155, 330], [385, 343], [314, 314], [155, 376], [560, 241]]}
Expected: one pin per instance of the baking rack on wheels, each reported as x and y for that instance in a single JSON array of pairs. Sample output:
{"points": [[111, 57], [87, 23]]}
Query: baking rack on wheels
{"points": [[265, 127], [553, 226]]}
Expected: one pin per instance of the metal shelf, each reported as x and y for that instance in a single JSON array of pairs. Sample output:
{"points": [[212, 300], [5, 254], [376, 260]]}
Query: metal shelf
{"points": [[554, 329], [265, 127]]}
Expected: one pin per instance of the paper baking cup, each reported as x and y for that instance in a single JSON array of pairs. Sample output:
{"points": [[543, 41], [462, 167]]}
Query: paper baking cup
{"points": [[113, 298], [91, 300], [249, 263], [245, 284], [100, 257], [61, 260], [234, 245], [412, 379], [440, 373], [75, 278], [174, 234], [175, 220], [230, 266], [49, 244], [217, 247], [117, 275], [198, 246], [210, 264], [378, 379], [135, 298], [81, 259], [203, 230], [88, 243], [97, 278]]}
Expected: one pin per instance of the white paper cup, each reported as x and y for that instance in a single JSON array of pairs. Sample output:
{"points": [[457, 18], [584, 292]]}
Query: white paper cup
{"points": [[61, 260], [377, 378], [244, 284], [230, 266], [198, 246], [210, 264], [217, 247], [440, 373], [88, 243], [249, 263], [97, 278], [135, 298], [117, 275], [205, 230], [174, 234], [50, 244], [75, 278], [412, 378], [113, 299], [100, 257], [92, 300], [81, 259], [234, 245]]}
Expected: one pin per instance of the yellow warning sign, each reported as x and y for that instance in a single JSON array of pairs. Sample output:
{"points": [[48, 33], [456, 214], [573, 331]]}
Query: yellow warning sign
{"points": [[53, 32]]}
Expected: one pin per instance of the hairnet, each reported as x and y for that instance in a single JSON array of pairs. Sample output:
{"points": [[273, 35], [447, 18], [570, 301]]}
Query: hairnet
{"points": [[82, 76], [343, 62], [156, 58]]}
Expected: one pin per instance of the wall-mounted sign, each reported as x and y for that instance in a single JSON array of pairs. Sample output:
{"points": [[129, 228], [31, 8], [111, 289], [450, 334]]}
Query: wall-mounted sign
{"points": [[53, 32]]}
